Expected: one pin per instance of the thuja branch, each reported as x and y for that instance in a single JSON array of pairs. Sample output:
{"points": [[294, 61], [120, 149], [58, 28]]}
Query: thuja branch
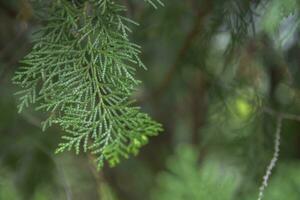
{"points": [[82, 70]]}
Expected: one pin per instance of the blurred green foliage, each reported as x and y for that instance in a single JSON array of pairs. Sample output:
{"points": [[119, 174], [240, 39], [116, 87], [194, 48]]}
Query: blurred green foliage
{"points": [[226, 62], [185, 180]]}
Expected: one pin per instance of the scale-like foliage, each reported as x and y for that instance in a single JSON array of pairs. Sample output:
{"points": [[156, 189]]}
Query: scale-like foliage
{"points": [[154, 3], [81, 69]]}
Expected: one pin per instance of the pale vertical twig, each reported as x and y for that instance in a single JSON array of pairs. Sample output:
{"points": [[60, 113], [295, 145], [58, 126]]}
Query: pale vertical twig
{"points": [[274, 159]]}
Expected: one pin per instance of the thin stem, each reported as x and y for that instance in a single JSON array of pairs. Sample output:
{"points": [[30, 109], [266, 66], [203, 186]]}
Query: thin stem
{"points": [[274, 159]]}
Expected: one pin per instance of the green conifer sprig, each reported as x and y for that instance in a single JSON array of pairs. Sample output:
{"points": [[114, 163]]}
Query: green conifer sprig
{"points": [[155, 3], [81, 69]]}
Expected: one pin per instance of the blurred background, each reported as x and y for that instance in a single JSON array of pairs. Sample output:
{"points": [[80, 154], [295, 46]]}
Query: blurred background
{"points": [[219, 74]]}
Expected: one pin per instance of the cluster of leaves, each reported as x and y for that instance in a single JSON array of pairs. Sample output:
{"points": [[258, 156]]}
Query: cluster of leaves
{"points": [[81, 70]]}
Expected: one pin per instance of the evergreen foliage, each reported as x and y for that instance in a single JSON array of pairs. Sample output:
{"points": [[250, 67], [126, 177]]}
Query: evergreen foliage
{"points": [[81, 70], [185, 180], [222, 72]]}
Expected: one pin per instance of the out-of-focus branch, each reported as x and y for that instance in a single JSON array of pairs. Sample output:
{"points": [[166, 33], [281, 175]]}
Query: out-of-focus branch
{"points": [[274, 159], [98, 176], [281, 114], [130, 7], [197, 27], [16, 47]]}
